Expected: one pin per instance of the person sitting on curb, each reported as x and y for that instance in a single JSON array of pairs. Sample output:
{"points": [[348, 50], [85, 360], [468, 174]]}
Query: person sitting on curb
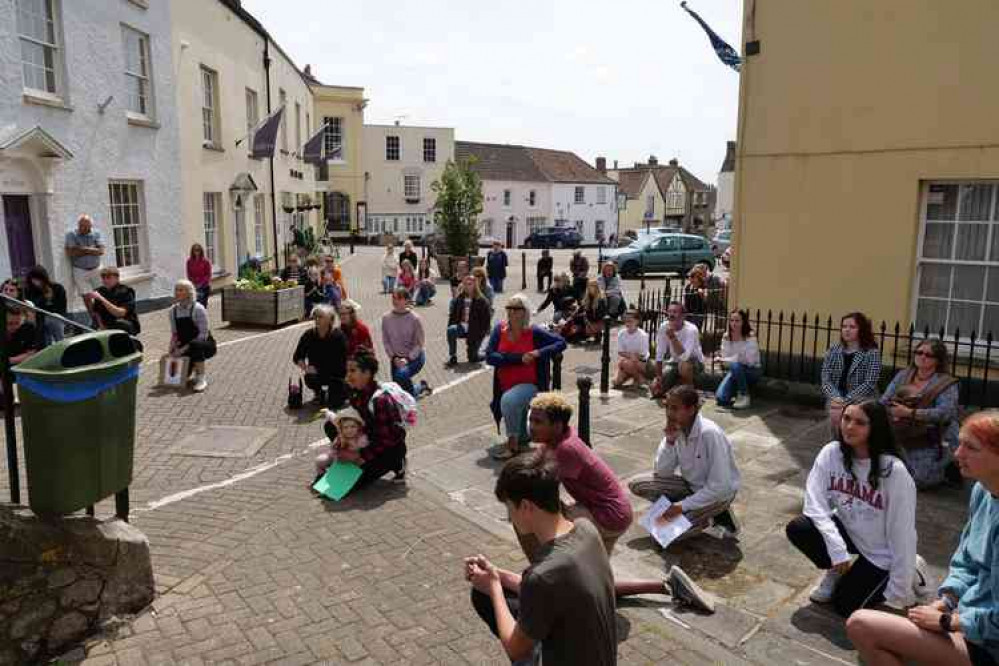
{"points": [[860, 500], [594, 307], [468, 318], [189, 334], [679, 359], [709, 478], [321, 354], [114, 303], [959, 627], [740, 353], [593, 485], [563, 605], [632, 352], [402, 337]]}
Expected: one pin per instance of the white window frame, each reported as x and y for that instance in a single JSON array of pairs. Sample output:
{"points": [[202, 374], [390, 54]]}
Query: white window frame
{"points": [[989, 264], [298, 127], [579, 195], [507, 198], [650, 206], [143, 78], [52, 53], [429, 149], [259, 225], [411, 187], [252, 111], [128, 225], [581, 227], [283, 101], [599, 229], [333, 139], [487, 227], [601, 195], [393, 148], [210, 130], [211, 217], [532, 199]]}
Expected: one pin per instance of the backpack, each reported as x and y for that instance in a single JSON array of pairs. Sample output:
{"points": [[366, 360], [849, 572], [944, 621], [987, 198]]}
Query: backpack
{"points": [[405, 404]]}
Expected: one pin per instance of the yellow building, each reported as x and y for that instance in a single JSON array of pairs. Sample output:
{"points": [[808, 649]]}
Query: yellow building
{"points": [[867, 173], [340, 179], [653, 195]]}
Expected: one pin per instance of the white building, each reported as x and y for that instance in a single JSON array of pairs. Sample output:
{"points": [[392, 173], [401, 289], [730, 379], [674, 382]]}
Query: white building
{"points": [[88, 124], [400, 164], [528, 188]]}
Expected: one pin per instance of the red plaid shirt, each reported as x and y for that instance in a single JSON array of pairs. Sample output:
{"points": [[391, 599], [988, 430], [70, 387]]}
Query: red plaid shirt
{"points": [[383, 427]]}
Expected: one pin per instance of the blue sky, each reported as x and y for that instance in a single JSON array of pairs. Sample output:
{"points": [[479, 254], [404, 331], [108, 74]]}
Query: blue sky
{"points": [[623, 79]]}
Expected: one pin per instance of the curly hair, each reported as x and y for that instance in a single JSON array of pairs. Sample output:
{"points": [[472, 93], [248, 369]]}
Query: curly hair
{"points": [[554, 405], [865, 330]]}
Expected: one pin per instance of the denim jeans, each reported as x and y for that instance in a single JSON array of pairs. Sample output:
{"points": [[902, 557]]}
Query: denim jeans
{"points": [[496, 284], [736, 382], [424, 292], [454, 333], [513, 406], [404, 376], [388, 283]]}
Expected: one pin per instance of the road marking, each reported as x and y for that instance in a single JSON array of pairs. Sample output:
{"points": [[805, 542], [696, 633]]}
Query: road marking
{"points": [[460, 380]]}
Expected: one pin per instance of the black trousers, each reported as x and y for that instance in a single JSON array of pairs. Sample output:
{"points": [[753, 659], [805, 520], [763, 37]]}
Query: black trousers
{"points": [[542, 278], [483, 605], [337, 395], [392, 460], [579, 287], [862, 586]]}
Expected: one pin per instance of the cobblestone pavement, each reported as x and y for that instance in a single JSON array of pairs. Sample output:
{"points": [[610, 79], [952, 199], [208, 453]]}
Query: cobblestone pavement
{"points": [[251, 569]]}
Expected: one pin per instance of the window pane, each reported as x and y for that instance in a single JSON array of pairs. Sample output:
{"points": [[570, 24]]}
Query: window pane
{"points": [[992, 287], [942, 202], [991, 324], [934, 280], [972, 241], [964, 318], [969, 283], [930, 314], [938, 241], [975, 202]]}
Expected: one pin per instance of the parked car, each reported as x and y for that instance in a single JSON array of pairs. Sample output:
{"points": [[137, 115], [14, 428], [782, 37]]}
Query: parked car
{"points": [[721, 242], [668, 253], [554, 237]]}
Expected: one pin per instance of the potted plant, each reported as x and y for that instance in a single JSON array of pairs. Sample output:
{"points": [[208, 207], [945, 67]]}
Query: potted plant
{"points": [[456, 213], [256, 298]]}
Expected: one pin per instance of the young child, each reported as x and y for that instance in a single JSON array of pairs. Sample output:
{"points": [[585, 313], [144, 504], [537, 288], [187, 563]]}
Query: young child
{"points": [[345, 430], [331, 290]]}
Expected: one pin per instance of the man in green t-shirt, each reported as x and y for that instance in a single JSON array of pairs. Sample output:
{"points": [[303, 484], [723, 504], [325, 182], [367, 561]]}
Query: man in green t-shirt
{"points": [[564, 602]]}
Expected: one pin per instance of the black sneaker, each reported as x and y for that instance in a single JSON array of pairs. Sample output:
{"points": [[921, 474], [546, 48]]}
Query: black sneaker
{"points": [[400, 474], [425, 389], [686, 592], [451, 362], [727, 520]]}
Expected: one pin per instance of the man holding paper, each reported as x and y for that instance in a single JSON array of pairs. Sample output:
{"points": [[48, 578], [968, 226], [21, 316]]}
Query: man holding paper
{"points": [[708, 478]]}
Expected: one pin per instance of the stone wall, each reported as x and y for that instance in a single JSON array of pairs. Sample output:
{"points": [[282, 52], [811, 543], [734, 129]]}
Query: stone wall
{"points": [[60, 578]]}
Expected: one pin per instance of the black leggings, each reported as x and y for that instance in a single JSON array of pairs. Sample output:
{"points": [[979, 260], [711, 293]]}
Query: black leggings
{"points": [[862, 586], [390, 461]]}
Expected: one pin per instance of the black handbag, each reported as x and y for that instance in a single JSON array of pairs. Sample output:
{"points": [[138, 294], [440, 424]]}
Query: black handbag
{"points": [[295, 394]]}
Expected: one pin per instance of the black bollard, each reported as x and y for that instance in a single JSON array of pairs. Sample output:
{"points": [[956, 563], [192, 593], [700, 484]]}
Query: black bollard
{"points": [[353, 240], [605, 358], [584, 384], [121, 504], [557, 372], [642, 269], [600, 251], [523, 270]]}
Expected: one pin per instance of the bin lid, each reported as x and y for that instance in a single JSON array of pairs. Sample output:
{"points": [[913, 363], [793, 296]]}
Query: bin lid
{"points": [[80, 356]]}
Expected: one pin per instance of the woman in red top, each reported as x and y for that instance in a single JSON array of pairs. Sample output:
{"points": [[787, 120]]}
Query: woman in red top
{"points": [[521, 354], [199, 272], [353, 328]]}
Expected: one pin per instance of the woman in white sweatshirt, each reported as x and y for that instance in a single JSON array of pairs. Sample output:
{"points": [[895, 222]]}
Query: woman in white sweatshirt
{"points": [[860, 500], [741, 355]]}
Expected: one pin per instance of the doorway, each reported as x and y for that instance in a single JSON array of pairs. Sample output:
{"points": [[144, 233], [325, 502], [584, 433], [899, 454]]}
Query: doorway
{"points": [[20, 241], [510, 226]]}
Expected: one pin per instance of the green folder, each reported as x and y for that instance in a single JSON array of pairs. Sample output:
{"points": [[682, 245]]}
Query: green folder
{"points": [[338, 480]]}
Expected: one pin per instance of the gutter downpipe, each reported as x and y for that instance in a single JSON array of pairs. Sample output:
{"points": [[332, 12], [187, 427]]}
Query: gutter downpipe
{"points": [[274, 223]]}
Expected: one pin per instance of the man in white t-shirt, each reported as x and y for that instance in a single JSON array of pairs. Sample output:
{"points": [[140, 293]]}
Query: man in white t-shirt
{"points": [[679, 359]]}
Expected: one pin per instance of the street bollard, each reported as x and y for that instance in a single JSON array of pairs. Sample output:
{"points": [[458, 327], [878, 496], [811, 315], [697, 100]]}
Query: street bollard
{"points": [[557, 372], [353, 240], [523, 270], [642, 269], [600, 251], [605, 358], [584, 384]]}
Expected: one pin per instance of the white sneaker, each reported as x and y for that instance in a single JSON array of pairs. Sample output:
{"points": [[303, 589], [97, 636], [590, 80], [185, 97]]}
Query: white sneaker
{"points": [[921, 581], [200, 384], [741, 402], [686, 592], [823, 592]]}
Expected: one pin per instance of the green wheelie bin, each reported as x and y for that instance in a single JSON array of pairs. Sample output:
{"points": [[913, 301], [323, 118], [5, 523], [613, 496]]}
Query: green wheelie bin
{"points": [[78, 418]]}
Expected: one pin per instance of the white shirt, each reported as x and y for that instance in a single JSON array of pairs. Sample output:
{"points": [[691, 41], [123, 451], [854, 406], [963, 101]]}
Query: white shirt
{"points": [[690, 340], [633, 343], [746, 352], [881, 522], [706, 462]]}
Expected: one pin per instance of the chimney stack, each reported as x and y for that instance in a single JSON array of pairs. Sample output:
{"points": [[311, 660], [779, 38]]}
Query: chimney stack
{"points": [[615, 165], [653, 161], [602, 165], [674, 162]]}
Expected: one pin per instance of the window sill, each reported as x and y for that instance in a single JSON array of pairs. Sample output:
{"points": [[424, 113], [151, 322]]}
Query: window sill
{"points": [[213, 146], [142, 121], [137, 278], [42, 99], [144, 4], [221, 275]]}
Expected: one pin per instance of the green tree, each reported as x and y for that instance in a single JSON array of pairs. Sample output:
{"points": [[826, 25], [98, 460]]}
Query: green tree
{"points": [[459, 202]]}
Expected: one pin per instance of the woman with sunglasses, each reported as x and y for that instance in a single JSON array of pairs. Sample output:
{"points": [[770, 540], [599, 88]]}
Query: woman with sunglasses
{"points": [[521, 353], [859, 522], [922, 401]]}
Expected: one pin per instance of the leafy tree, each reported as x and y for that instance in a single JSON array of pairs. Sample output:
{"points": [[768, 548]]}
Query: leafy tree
{"points": [[459, 202]]}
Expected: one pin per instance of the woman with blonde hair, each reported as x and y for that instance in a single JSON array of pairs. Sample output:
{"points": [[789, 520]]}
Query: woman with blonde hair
{"points": [[483, 279], [594, 307], [468, 317], [189, 333]]}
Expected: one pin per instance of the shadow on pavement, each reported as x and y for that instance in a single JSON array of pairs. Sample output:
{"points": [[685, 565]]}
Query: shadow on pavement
{"points": [[816, 620], [367, 499]]}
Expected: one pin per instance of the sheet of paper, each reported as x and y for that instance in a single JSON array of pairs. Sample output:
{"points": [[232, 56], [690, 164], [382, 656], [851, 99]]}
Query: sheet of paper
{"points": [[664, 533], [338, 480]]}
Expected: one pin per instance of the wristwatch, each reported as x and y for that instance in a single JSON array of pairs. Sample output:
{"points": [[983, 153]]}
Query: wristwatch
{"points": [[945, 619]]}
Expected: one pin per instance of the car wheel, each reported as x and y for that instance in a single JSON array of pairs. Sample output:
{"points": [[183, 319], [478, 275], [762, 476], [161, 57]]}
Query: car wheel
{"points": [[527, 243], [559, 244], [630, 269]]}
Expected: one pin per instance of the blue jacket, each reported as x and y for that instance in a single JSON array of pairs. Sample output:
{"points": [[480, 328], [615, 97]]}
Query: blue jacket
{"points": [[545, 342], [974, 572], [496, 263]]}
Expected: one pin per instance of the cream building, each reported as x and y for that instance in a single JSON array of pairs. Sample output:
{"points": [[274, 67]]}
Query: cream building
{"points": [[234, 76], [340, 178], [400, 164], [655, 195], [872, 183]]}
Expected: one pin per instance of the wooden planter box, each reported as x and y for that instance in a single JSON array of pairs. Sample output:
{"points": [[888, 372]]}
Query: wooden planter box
{"points": [[263, 308], [447, 264]]}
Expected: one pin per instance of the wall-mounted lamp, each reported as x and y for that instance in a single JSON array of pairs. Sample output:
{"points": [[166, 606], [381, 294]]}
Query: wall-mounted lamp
{"points": [[104, 105]]}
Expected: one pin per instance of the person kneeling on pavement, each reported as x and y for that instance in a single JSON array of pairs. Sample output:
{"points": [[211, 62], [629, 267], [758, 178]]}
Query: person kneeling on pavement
{"points": [[321, 354], [708, 479], [189, 334], [114, 303], [468, 318], [345, 430]]}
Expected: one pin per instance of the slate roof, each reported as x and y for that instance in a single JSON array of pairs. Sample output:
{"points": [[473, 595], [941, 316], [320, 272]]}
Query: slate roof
{"points": [[632, 181], [522, 163]]}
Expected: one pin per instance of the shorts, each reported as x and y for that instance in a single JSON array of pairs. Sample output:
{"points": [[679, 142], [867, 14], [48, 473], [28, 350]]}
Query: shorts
{"points": [[86, 279]]}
